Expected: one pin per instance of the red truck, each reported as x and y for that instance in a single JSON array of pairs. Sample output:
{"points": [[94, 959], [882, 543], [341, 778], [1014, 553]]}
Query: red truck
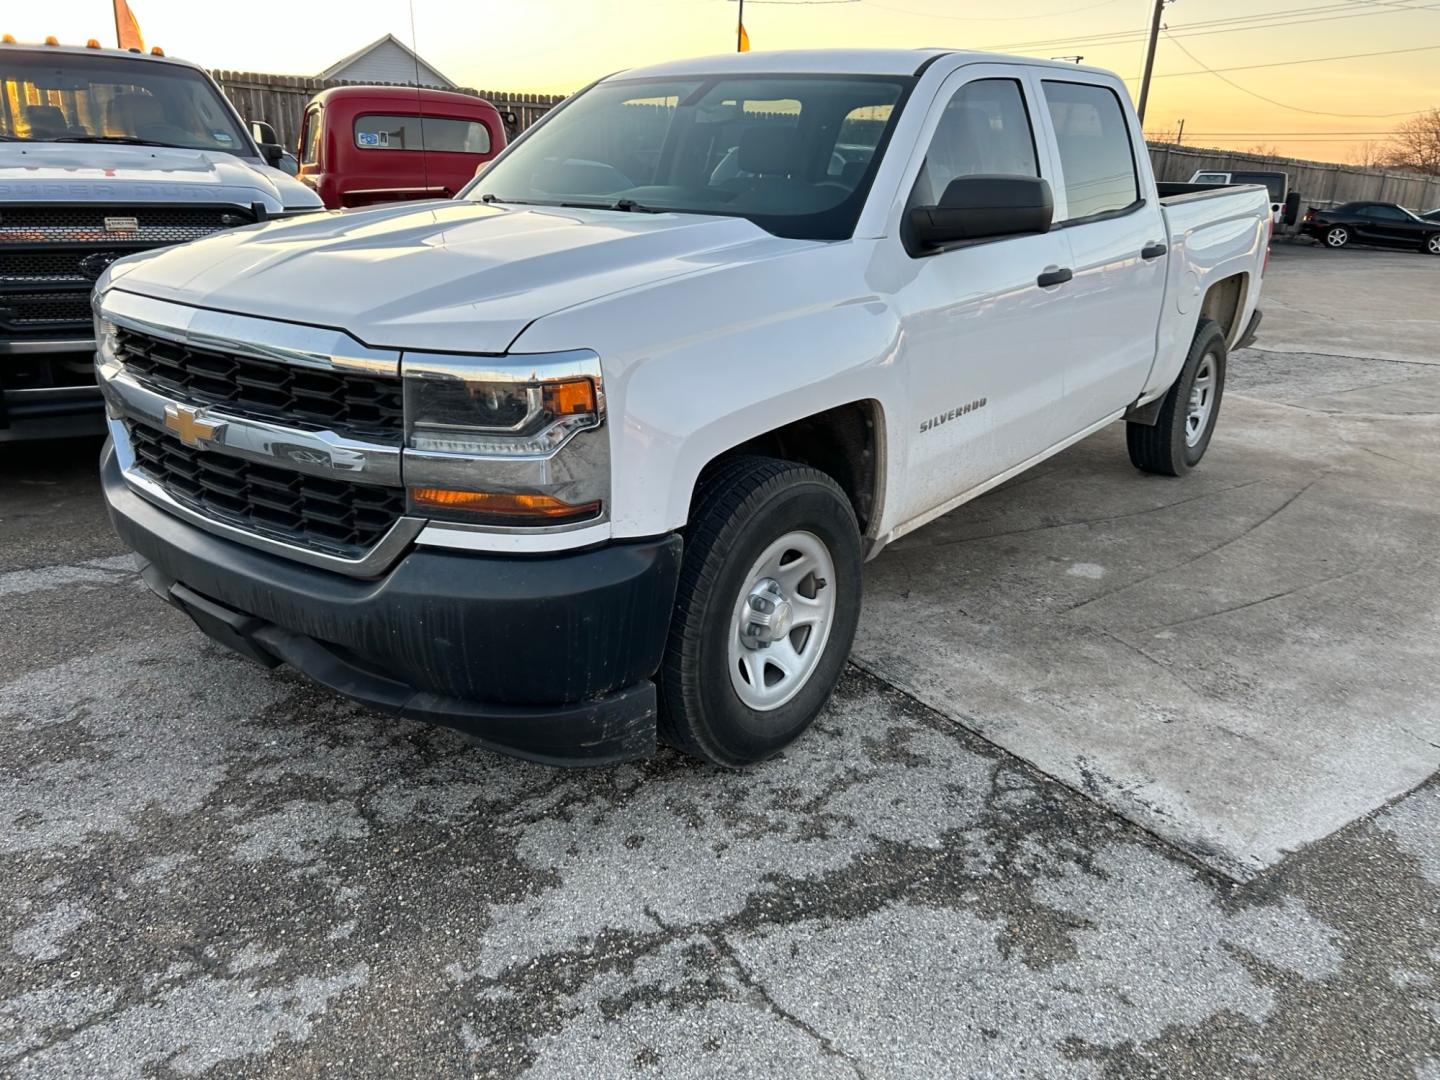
{"points": [[361, 145]]}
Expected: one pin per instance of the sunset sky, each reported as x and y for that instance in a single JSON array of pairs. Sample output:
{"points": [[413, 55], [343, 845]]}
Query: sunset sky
{"points": [[558, 45]]}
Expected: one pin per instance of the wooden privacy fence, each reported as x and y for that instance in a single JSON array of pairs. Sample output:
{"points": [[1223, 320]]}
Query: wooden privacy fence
{"points": [[280, 100]]}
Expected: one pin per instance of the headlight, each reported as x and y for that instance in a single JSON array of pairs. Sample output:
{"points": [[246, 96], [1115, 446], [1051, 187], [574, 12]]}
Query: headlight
{"points": [[506, 442], [469, 405], [105, 349]]}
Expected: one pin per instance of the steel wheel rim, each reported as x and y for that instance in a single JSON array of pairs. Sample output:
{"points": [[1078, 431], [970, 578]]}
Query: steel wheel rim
{"points": [[1336, 237], [773, 653], [1434, 244], [1202, 399]]}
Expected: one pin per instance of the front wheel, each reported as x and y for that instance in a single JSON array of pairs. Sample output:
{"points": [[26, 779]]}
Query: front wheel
{"points": [[1337, 237], [1432, 243], [1180, 436], [765, 613]]}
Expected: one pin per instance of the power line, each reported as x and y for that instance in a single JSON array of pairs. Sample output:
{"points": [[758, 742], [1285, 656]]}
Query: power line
{"points": [[1281, 104], [1294, 63], [1215, 26], [982, 18]]}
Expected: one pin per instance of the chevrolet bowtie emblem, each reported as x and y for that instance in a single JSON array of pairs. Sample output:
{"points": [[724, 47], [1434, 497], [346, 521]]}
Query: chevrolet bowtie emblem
{"points": [[188, 425]]}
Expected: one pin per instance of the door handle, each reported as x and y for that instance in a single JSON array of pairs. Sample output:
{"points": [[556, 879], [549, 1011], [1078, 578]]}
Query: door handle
{"points": [[1055, 276], [1153, 251]]}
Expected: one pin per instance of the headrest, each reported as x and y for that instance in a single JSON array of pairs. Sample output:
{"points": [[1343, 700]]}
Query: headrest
{"points": [[131, 112], [768, 151], [45, 119]]}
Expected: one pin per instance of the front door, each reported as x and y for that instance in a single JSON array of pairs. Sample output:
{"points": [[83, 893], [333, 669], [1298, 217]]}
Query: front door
{"points": [[984, 344]]}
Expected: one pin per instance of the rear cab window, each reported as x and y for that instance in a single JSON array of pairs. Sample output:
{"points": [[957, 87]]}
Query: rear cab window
{"points": [[392, 131], [1097, 154]]}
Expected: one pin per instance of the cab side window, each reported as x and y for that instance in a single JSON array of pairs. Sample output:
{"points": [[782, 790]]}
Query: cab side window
{"points": [[1383, 213], [985, 129], [310, 140], [1096, 153]]}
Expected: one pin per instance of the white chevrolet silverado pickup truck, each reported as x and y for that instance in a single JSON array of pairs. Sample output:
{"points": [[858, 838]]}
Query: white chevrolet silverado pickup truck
{"points": [[594, 452], [106, 152]]}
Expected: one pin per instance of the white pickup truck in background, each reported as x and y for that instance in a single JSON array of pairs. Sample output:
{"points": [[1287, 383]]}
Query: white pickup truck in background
{"points": [[106, 152], [596, 450]]}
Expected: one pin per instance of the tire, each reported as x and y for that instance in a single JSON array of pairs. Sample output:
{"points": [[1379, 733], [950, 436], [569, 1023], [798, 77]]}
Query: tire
{"points": [[1432, 244], [1181, 434], [1336, 237], [744, 510]]}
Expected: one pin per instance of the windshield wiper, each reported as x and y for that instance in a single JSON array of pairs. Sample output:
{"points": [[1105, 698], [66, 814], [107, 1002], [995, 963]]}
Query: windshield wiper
{"points": [[629, 206], [122, 140], [626, 205]]}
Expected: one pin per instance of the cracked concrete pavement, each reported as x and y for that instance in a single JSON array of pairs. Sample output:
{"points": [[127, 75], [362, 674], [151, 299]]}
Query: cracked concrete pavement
{"points": [[206, 869]]}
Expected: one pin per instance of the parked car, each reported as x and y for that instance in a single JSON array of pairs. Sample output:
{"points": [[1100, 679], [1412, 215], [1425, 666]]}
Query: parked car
{"points": [[104, 153], [1432, 215], [1381, 224], [597, 449], [1276, 183], [362, 145]]}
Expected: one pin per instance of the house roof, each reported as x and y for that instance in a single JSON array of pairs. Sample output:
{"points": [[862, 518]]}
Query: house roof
{"points": [[344, 62]]}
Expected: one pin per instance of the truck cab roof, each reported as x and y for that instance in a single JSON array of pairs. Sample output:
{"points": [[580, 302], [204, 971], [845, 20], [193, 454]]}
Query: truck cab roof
{"points": [[87, 50], [836, 62]]}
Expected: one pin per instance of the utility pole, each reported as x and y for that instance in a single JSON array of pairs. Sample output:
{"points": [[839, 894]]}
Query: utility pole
{"points": [[1180, 135], [1149, 58], [740, 30]]}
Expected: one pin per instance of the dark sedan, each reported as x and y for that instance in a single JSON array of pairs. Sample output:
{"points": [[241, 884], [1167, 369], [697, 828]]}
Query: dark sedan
{"points": [[1382, 224]]}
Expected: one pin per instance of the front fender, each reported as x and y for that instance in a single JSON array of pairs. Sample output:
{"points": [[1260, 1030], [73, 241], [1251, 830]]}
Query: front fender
{"points": [[698, 365]]}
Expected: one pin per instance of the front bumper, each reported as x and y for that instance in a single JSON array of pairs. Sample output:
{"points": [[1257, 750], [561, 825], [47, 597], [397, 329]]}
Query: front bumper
{"points": [[41, 397], [548, 658]]}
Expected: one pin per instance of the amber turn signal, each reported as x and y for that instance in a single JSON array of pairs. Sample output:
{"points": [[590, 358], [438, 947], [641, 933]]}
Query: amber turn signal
{"points": [[573, 398], [502, 508]]}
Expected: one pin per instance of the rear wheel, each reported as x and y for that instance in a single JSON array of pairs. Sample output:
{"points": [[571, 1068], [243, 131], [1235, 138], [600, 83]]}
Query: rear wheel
{"points": [[1337, 237], [1180, 436], [766, 610], [1432, 243]]}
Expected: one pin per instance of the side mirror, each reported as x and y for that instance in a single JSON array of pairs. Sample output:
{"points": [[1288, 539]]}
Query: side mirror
{"points": [[268, 142], [984, 207]]}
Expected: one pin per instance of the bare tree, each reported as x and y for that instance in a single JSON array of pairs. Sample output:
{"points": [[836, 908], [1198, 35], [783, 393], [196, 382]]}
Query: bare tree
{"points": [[1416, 144], [1370, 155]]}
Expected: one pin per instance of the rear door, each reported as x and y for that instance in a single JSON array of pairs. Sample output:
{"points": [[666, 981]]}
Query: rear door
{"points": [[1107, 212]]}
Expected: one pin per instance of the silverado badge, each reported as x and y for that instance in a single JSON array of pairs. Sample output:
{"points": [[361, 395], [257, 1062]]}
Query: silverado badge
{"points": [[187, 423]]}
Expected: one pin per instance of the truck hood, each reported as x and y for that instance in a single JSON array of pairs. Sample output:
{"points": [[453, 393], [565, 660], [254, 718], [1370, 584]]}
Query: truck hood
{"points": [[93, 172], [451, 276]]}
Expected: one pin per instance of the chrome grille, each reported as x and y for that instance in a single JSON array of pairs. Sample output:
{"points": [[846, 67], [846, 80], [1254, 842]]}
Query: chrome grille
{"points": [[155, 225], [334, 517], [50, 256], [366, 406]]}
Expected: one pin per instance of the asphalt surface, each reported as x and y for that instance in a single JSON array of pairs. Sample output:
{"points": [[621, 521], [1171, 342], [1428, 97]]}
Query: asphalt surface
{"points": [[207, 869]]}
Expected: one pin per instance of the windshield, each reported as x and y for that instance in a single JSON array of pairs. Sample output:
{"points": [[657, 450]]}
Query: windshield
{"points": [[63, 97], [794, 154]]}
